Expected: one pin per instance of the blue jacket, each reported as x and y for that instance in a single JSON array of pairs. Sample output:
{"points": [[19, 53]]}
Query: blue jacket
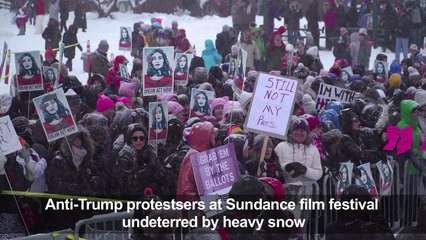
{"points": [[210, 55]]}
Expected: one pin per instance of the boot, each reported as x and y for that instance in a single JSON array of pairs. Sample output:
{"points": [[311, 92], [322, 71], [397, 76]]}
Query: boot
{"points": [[69, 65]]}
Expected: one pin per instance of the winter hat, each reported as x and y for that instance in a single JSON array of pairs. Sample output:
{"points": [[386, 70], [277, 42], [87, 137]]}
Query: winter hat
{"points": [[355, 77], [201, 74], [219, 102], [362, 31], [168, 97], [174, 107], [231, 105], [395, 80], [308, 104], [49, 53], [72, 98], [301, 71], [258, 142], [309, 39], [247, 188], [313, 51], [21, 124], [336, 70], [281, 30], [124, 100], [146, 27], [235, 49], [335, 105], [277, 185], [343, 31], [206, 86], [300, 123], [333, 78], [420, 97], [371, 95], [330, 115], [5, 103], [357, 86], [395, 67], [382, 57], [252, 74], [132, 128], [413, 47], [255, 30], [313, 121], [127, 89], [183, 100], [104, 103], [103, 45], [413, 73], [245, 98], [411, 91], [225, 28]]}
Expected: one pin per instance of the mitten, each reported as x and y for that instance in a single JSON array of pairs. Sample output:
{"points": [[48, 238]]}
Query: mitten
{"points": [[291, 166]]}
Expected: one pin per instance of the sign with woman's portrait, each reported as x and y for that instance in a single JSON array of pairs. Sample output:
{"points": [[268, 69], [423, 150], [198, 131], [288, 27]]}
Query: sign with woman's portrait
{"points": [[158, 115], [49, 77], [346, 75], [182, 68], [125, 43], [55, 115], [386, 177], [123, 71], [28, 69], [345, 179], [157, 70], [200, 103], [381, 71], [366, 179]]}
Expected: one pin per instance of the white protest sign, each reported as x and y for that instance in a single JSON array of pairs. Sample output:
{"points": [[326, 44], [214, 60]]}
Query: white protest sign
{"points": [[272, 106], [9, 141], [328, 93]]}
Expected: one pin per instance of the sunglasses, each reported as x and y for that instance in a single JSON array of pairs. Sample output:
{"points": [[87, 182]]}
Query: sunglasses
{"points": [[140, 138]]}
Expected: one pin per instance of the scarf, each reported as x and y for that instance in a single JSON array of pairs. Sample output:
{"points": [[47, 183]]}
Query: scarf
{"points": [[78, 156]]}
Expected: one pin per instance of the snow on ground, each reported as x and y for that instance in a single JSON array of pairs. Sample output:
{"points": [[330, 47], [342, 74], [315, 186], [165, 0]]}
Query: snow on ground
{"points": [[197, 30]]}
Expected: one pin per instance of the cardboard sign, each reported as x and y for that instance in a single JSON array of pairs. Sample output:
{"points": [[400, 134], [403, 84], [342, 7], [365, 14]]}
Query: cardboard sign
{"points": [[9, 141], [200, 103], [55, 115], [381, 71], [158, 115], [386, 177], [346, 74], [272, 105], [366, 179], [50, 75], [345, 171], [215, 170], [29, 76], [182, 68], [125, 43], [157, 70], [328, 93], [401, 138]]}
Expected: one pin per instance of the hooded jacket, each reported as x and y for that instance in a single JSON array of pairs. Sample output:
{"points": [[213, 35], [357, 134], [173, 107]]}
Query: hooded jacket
{"points": [[199, 141], [182, 43], [62, 175], [354, 48], [407, 107], [70, 37], [99, 63], [210, 55], [114, 70]]}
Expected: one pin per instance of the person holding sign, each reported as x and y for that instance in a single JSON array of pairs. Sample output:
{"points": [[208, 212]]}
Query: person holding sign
{"points": [[56, 115], [298, 157], [159, 72], [201, 107], [159, 125]]}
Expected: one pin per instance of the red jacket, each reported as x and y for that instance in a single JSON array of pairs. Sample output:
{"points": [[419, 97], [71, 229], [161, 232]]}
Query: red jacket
{"points": [[39, 7]]}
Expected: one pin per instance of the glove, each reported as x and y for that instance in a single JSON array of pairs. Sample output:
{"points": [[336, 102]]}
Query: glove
{"points": [[25, 154], [291, 166]]}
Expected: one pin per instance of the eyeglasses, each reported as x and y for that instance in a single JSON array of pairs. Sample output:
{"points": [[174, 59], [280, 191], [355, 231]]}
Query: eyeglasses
{"points": [[140, 138]]}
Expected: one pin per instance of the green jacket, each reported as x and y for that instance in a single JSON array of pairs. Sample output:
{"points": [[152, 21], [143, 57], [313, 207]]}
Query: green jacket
{"points": [[407, 107]]}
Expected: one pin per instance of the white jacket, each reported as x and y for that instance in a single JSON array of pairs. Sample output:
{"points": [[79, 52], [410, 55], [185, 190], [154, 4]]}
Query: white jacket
{"points": [[306, 155]]}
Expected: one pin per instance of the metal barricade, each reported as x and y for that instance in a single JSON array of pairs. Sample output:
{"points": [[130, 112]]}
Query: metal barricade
{"points": [[329, 186], [410, 197], [306, 190], [105, 226], [67, 234]]}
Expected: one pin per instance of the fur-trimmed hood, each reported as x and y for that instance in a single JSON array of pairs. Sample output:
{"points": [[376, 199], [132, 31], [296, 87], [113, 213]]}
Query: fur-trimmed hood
{"points": [[86, 142]]}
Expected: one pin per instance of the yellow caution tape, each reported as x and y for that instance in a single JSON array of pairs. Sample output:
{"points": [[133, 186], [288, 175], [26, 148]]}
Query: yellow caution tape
{"points": [[57, 196]]}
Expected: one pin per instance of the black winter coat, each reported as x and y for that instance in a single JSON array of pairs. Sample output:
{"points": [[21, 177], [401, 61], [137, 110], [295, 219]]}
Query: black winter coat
{"points": [[52, 34], [403, 27], [223, 44], [70, 37]]}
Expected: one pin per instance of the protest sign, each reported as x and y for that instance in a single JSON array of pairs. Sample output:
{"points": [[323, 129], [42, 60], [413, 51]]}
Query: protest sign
{"points": [[123, 71], [346, 74], [28, 71], [182, 68], [272, 105], [158, 115], [200, 103], [9, 141], [215, 170], [125, 43], [328, 93], [55, 115], [157, 70], [386, 177], [3, 59], [345, 171], [381, 71], [402, 139], [49, 77], [366, 179]]}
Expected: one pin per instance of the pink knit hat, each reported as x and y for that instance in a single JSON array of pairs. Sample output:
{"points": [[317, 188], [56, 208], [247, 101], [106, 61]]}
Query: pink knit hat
{"points": [[174, 107], [124, 100], [127, 89], [168, 97], [219, 101], [104, 103]]}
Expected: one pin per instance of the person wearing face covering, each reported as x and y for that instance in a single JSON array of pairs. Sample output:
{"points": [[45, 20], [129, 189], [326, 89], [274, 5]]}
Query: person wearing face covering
{"points": [[299, 158]]}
